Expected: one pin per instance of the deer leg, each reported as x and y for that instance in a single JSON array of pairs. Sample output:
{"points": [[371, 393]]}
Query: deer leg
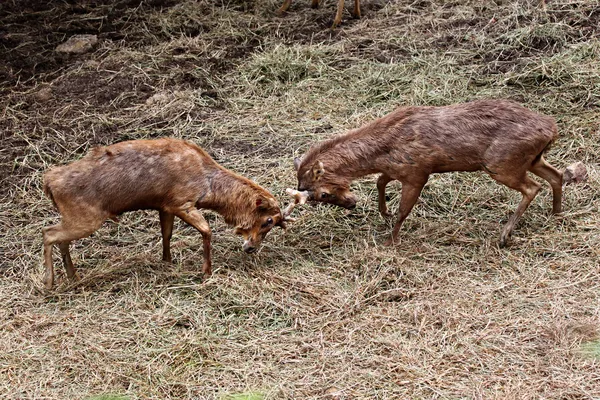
{"points": [[382, 182], [195, 219], [529, 188], [410, 194], [166, 228], [547, 172], [356, 12], [314, 4], [63, 235], [284, 7], [67, 262], [338, 14], [49, 274]]}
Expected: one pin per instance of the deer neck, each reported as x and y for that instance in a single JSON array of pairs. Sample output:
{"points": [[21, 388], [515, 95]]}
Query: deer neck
{"points": [[230, 195], [352, 158]]}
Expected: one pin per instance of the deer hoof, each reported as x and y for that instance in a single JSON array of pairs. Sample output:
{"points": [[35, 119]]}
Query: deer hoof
{"points": [[557, 210], [48, 282], [503, 241], [75, 277], [390, 242], [386, 214], [207, 270]]}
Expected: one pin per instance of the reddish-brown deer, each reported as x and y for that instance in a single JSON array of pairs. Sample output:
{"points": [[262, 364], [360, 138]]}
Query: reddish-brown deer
{"points": [[338, 15], [173, 176], [499, 137]]}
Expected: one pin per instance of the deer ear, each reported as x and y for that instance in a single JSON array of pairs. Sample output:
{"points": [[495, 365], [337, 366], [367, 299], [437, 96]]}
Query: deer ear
{"points": [[297, 162], [263, 203], [318, 170]]}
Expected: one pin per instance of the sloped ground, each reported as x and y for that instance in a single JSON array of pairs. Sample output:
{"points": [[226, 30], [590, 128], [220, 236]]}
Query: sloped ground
{"points": [[323, 311]]}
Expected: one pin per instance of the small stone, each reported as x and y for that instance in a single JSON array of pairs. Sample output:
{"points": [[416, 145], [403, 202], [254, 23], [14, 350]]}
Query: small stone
{"points": [[157, 98], [334, 393], [44, 94], [78, 44], [92, 64], [575, 173]]}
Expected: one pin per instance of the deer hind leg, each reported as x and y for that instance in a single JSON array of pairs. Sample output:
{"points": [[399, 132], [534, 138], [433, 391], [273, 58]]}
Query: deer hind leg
{"points": [[528, 188], [356, 12], [166, 227], [63, 234], [410, 194], [285, 6], [314, 4], [195, 219], [338, 14], [67, 262], [382, 182], [547, 172]]}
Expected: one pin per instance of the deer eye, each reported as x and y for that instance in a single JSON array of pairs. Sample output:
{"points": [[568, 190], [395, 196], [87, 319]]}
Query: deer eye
{"points": [[268, 222], [324, 195]]}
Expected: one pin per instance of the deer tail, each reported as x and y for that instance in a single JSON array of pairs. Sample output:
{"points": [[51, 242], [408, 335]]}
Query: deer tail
{"points": [[48, 191]]}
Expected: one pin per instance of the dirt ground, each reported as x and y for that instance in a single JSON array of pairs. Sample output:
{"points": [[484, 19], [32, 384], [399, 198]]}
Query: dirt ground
{"points": [[324, 310]]}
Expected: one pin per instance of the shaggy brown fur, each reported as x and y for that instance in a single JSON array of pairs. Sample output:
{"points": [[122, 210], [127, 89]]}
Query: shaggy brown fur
{"points": [[338, 15], [499, 137], [175, 177]]}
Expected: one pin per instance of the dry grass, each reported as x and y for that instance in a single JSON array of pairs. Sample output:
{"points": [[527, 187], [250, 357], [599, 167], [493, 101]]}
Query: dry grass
{"points": [[323, 311]]}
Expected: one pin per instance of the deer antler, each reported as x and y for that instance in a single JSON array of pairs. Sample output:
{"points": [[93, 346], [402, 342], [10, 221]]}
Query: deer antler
{"points": [[299, 199]]}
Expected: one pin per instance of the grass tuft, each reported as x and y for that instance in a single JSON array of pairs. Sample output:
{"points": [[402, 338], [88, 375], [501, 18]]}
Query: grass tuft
{"points": [[107, 397]]}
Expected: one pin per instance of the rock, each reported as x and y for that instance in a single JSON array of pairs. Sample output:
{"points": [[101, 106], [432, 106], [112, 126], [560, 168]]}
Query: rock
{"points": [[575, 173], [157, 98], [78, 44], [44, 94], [92, 64], [334, 393]]}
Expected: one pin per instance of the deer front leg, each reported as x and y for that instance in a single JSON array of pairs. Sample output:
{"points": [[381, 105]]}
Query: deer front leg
{"points": [[554, 177], [194, 218], [166, 227], [529, 189], [284, 7], [410, 194], [382, 182]]}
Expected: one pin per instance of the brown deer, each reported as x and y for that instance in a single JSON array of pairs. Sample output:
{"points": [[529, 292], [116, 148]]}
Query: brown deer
{"points": [[173, 176], [499, 137], [338, 15]]}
